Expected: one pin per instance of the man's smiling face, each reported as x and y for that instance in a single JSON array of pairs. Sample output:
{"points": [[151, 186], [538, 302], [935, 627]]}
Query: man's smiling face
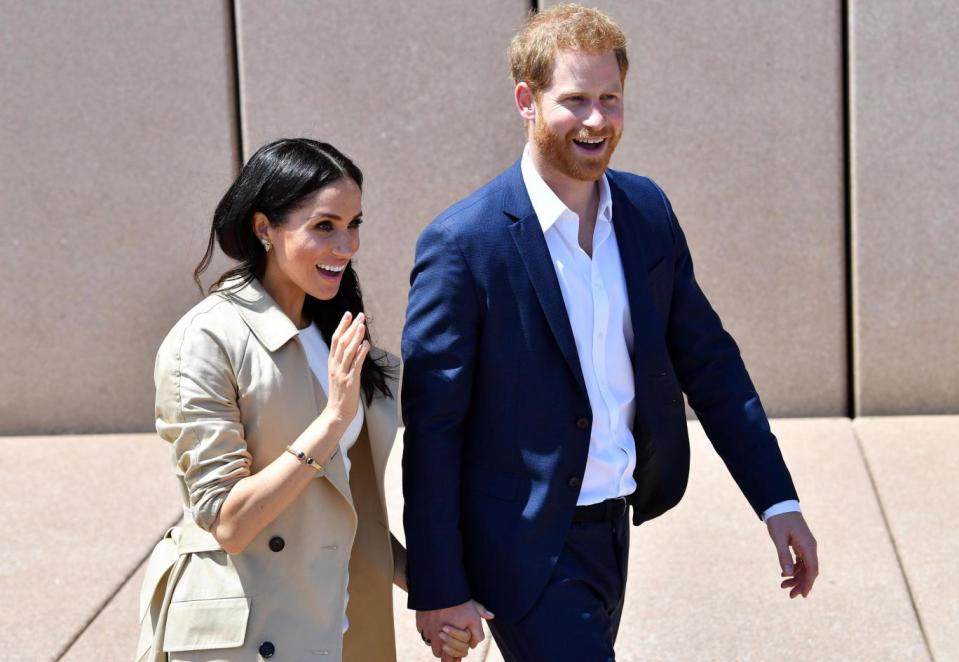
{"points": [[579, 116]]}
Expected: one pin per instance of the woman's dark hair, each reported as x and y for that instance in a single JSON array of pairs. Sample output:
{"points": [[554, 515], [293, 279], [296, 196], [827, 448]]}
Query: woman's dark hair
{"points": [[276, 180]]}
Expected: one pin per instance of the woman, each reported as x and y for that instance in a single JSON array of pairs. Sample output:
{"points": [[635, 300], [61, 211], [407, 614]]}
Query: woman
{"points": [[280, 415]]}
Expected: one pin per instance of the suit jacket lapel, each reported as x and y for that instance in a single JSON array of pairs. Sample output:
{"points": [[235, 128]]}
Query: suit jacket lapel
{"points": [[647, 321], [528, 236]]}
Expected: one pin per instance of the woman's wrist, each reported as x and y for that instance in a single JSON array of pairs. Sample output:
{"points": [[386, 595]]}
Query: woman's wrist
{"points": [[336, 420], [322, 439]]}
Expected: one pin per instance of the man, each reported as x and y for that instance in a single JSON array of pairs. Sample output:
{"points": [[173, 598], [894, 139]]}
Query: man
{"points": [[553, 321]]}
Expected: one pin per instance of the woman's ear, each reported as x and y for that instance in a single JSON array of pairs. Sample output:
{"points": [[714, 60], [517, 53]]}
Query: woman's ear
{"points": [[261, 225]]}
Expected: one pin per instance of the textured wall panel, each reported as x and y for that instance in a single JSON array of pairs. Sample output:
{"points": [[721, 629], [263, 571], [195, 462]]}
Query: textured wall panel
{"points": [[905, 199], [418, 94], [118, 137], [736, 110]]}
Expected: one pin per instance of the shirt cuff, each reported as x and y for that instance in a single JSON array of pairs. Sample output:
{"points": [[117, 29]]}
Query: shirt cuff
{"points": [[791, 506]]}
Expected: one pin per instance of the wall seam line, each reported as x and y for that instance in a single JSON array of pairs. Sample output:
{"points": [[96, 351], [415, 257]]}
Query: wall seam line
{"points": [[852, 406], [233, 10]]}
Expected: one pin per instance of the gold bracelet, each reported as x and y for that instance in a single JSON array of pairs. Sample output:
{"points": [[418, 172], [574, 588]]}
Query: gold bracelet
{"points": [[302, 457]]}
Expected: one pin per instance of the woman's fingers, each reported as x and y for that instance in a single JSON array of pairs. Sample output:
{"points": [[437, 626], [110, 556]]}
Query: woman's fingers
{"points": [[361, 355], [342, 355], [340, 330], [356, 337], [456, 633], [454, 647]]}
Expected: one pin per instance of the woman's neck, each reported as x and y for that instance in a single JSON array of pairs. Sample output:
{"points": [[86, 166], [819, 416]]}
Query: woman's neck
{"points": [[287, 295]]}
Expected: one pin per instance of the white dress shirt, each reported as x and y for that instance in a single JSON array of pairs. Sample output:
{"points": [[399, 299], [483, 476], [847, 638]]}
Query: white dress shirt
{"points": [[318, 356], [594, 293]]}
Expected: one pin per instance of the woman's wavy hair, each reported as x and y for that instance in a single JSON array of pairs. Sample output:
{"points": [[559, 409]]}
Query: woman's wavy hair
{"points": [[276, 180]]}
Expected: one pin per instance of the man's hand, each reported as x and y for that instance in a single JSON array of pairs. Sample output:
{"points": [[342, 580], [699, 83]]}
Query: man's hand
{"points": [[465, 617], [790, 530]]}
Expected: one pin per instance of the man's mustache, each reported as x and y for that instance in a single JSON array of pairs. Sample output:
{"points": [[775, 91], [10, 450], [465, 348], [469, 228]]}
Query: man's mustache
{"points": [[589, 135]]}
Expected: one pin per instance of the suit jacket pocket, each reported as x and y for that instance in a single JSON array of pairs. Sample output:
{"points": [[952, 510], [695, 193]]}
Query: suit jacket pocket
{"points": [[199, 625], [492, 482]]}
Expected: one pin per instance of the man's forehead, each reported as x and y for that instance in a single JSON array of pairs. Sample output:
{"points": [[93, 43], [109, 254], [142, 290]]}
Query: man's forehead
{"points": [[586, 67]]}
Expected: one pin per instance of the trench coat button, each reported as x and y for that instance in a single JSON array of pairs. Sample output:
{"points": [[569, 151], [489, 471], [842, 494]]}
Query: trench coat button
{"points": [[267, 649], [582, 423], [574, 482], [276, 545]]}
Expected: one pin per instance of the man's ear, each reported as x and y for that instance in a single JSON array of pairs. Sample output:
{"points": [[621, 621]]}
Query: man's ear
{"points": [[525, 101]]}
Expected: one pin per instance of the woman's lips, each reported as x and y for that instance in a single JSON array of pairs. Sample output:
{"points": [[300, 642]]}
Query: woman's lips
{"points": [[326, 273]]}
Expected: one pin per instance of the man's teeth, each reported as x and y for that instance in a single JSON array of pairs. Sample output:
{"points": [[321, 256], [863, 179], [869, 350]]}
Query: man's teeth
{"points": [[327, 267], [590, 141]]}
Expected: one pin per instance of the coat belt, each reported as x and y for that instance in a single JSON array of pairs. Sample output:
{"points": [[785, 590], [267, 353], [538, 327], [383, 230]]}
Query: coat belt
{"points": [[162, 573]]}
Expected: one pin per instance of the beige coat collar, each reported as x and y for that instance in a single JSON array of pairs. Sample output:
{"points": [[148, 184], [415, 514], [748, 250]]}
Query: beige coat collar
{"points": [[261, 313]]}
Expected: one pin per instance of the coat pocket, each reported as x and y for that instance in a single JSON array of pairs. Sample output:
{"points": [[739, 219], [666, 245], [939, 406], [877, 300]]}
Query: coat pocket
{"points": [[199, 625]]}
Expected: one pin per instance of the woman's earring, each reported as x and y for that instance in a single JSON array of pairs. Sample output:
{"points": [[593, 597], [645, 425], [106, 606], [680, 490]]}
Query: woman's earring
{"points": [[266, 244]]}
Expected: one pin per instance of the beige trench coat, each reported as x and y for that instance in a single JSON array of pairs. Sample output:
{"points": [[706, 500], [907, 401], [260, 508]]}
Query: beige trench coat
{"points": [[233, 389]]}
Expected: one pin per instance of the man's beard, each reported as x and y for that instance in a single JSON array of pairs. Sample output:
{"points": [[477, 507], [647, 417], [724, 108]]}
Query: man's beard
{"points": [[557, 151]]}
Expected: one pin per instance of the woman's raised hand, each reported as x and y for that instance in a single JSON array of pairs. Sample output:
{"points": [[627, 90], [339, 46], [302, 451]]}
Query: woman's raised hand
{"points": [[348, 350]]}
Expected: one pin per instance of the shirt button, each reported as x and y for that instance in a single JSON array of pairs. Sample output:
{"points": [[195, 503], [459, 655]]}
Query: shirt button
{"points": [[267, 649], [277, 544], [574, 482], [582, 423]]}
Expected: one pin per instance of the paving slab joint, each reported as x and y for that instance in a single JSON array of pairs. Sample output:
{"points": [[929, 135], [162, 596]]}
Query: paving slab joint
{"points": [[119, 587], [892, 541]]}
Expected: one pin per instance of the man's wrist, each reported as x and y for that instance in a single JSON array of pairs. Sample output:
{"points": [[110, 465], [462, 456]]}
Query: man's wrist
{"points": [[789, 506]]}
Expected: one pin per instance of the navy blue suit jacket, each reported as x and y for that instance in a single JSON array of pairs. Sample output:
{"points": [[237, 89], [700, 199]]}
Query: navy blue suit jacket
{"points": [[496, 410]]}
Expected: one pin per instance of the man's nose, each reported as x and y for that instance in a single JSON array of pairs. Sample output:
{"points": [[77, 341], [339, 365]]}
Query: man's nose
{"points": [[595, 117]]}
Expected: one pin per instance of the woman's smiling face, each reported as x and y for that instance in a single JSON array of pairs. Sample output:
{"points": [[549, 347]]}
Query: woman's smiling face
{"points": [[313, 246]]}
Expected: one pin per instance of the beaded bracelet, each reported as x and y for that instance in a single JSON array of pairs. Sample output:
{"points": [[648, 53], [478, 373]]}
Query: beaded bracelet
{"points": [[308, 461]]}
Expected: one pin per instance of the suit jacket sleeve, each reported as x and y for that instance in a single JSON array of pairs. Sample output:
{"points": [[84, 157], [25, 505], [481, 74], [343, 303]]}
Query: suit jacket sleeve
{"points": [[439, 349], [712, 374]]}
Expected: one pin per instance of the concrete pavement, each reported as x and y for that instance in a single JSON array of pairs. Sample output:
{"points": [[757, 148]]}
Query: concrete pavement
{"points": [[81, 514]]}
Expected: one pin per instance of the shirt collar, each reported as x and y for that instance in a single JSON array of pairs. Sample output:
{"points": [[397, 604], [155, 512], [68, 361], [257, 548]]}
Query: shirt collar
{"points": [[547, 205]]}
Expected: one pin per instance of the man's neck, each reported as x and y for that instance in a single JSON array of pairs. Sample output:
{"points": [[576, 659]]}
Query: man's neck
{"points": [[579, 196]]}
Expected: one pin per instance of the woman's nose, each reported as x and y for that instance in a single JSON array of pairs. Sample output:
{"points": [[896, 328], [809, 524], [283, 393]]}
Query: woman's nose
{"points": [[346, 245]]}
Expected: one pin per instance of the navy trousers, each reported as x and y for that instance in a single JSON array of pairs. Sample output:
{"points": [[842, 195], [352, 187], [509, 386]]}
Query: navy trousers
{"points": [[577, 616]]}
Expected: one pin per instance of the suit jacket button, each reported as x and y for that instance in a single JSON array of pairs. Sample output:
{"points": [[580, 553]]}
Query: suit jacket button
{"points": [[582, 423], [277, 544], [574, 482], [267, 649]]}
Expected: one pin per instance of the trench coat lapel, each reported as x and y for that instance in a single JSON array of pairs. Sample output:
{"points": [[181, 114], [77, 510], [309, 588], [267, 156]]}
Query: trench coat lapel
{"points": [[335, 468], [274, 329], [381, 425]]}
